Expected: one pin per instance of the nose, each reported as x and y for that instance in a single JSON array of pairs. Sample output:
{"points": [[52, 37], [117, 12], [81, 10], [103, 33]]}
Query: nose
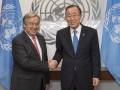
{"points": [[35, 26], [72, 18]]}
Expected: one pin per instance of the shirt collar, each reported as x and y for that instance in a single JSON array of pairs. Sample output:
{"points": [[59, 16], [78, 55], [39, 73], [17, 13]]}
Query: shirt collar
{"points": [[29, 35]]}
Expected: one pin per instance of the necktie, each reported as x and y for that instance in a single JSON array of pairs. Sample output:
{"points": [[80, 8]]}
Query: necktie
{"points": [[35, 44], [75, 41]]}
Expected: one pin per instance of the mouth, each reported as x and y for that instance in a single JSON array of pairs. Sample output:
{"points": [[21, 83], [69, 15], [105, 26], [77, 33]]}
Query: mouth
{"points": [[33, 30], [72, 23]]}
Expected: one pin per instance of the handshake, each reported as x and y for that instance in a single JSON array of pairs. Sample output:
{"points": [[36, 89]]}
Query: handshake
{"points": [[52, 64]]}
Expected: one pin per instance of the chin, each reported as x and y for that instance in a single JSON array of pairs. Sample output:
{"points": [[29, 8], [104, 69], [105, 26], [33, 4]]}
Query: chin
{"points": [[73, 27]]}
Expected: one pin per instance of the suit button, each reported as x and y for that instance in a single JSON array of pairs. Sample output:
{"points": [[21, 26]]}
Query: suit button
{"points": [[74, 68]]}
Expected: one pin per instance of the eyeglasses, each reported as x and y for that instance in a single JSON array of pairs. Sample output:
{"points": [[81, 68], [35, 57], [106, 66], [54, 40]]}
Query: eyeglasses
{"points": [[72, 16], [31, 24]]}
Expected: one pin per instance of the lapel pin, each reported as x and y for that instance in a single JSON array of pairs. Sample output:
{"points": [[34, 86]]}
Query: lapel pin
{"points": [[83, 34]]}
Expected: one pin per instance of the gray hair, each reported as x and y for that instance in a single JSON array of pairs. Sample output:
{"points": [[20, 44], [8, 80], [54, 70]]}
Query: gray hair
{"points": [[30, 15]]}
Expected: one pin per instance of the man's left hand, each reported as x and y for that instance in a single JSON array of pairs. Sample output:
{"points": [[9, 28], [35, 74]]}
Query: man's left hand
{"points": [[95, 81]]}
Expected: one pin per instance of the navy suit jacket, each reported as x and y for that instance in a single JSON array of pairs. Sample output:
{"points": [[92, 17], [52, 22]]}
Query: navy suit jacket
{"points": [[86, 60], [29, 72]]}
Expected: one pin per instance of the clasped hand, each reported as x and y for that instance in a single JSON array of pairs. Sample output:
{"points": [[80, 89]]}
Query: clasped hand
{"points": [[52, 64]]}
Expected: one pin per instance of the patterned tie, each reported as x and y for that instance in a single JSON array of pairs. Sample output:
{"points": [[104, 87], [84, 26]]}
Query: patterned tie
{"points": [[35, 44], [75, 41]]}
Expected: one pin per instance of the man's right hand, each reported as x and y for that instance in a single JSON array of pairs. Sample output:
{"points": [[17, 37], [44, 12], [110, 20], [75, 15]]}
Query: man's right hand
{"points": [[52, 64]]}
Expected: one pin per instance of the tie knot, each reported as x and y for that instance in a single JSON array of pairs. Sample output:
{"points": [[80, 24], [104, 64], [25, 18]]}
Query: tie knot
{"points": [[33, 38], [75, 31]]}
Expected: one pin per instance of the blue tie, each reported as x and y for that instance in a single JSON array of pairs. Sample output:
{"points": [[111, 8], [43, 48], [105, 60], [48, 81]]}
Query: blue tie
{"points": [[75, 41]]}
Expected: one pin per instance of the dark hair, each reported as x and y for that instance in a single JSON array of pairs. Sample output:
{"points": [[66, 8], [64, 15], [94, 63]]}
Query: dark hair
{"points": [[71, 6]]}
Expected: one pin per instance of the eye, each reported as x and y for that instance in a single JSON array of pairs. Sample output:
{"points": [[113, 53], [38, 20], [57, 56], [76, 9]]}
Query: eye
{"points": [[68, 16], [37, 24], [30, 23], [74, 16]]}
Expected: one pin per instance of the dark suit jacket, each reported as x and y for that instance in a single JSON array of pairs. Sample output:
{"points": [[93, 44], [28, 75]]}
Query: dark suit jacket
{"points": [[86, 60], [29, 72]]}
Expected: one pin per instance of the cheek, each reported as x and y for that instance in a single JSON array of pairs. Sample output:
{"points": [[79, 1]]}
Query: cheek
{"points": [[80, 19], [38, 26]]}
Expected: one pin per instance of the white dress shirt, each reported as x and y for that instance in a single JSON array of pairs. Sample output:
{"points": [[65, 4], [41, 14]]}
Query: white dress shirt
{"points": [[77, 34]]}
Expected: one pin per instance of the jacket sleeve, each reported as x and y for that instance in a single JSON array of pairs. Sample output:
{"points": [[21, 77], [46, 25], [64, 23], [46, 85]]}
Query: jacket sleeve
{"points": [[59, 49]]}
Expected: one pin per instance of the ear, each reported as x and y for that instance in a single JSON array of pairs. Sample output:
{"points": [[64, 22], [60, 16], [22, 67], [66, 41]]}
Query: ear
{"points": [[80, 16], [65, 17], [24, 25]]}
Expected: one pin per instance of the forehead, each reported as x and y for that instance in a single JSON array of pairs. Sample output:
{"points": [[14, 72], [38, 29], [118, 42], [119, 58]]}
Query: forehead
{"points": [[72, 10], [33, 19]]}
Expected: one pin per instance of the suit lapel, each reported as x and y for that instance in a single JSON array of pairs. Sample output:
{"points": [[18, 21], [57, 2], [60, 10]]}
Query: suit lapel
{"points": [[69, 40], [29, 42], [81, 39]]}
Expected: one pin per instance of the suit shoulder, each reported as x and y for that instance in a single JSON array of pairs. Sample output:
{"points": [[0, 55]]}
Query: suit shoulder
{"points": [[63, 30], [89, 29], [40, 35], [18, 36]]}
